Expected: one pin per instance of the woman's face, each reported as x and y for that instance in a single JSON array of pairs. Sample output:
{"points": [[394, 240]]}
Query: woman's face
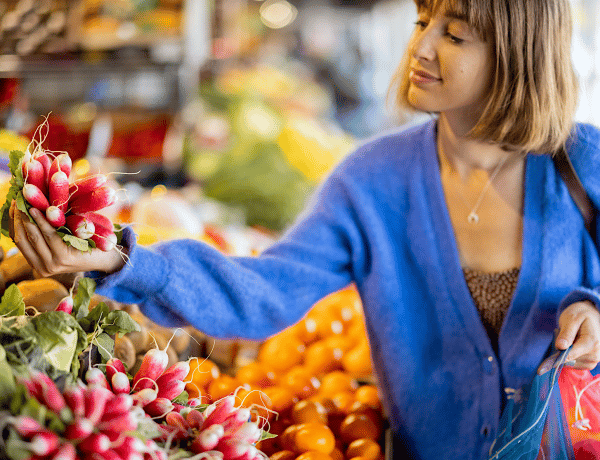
{"points": [[450, 66]]}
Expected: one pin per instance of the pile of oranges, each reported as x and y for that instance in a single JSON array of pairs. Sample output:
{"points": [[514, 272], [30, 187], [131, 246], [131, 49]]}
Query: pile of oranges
{"points": [[305, 383]]}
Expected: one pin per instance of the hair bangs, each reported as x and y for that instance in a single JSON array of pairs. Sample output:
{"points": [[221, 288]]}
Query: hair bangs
{"points": [[476, 13]]}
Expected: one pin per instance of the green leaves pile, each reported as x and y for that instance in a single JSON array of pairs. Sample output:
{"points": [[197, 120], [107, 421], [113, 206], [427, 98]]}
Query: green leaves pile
{"points": [[54, 341]]}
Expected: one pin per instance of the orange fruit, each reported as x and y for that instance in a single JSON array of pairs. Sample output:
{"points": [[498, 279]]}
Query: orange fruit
{"points": [[335, 382], [364, 447], [287, 439], [283, 455], [306, 330], [357, 361], [255, 374], [300, 381], [202, 371], [343, 400], [252, 398], [356, 426], [314, 436], [279, 399], [368, 395], [313, 455], [222, 386], [337, 454], [281, 352], [342, 342], [374, 414], [322, 358], [309, 411]]}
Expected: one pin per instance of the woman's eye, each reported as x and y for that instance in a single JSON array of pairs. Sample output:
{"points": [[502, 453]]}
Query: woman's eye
{"points": [[455, 39], [421, 24]]}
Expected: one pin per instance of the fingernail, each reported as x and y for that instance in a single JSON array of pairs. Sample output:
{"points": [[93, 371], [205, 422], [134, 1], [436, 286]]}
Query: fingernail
{"points": [[35, 212], [562, 343]]}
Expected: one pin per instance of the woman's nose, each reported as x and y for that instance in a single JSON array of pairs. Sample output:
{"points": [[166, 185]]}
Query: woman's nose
{"points": [[424, 45]]}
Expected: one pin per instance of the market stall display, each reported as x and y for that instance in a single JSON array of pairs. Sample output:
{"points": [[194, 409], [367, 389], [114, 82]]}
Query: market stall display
{"points": [[88, 376]]}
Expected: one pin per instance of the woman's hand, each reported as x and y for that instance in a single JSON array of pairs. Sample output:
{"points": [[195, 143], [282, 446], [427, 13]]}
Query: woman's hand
{"points": [[579, 325], [48, 254]]}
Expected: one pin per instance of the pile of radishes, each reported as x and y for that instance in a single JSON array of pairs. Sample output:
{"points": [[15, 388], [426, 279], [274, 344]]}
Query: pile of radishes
{"points": [[101, 417], [73, 205]]}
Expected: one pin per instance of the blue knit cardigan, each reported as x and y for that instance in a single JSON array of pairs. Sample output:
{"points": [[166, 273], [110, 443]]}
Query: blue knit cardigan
{"points": [[380, 220]]}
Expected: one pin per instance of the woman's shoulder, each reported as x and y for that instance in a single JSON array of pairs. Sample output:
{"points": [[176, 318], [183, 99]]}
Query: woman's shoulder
{"points": [[584, 140], [392, 147]]}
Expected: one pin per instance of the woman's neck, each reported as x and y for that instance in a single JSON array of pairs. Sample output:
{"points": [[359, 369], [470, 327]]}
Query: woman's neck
{"points": [[465, 154]]}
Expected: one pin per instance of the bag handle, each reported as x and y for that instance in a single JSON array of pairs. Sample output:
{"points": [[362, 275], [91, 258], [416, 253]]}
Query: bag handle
{"points": [[566, 170]]}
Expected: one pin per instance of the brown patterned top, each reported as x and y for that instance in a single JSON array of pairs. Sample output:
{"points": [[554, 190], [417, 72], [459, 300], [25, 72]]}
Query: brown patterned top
{"points": [[492, 294]]}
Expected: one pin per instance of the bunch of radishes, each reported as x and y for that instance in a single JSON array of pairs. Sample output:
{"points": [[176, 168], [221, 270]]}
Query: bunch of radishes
{"points": [[221, 431], [96, 424], [71, 205]]}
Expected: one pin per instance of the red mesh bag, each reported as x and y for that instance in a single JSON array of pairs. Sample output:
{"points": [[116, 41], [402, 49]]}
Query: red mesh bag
{"points": [[580, 393]]}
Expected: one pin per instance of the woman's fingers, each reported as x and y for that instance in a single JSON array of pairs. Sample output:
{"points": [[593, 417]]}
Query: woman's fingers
{"points": [[580, 328], [23, 242], [48, 232]]}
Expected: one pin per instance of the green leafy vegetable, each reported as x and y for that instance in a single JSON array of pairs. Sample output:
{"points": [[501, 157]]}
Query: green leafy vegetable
{"points": [[12, 303]]}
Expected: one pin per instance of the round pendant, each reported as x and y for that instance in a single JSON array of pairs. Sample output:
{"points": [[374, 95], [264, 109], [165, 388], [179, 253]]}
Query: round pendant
{"points": [[473, 218]]}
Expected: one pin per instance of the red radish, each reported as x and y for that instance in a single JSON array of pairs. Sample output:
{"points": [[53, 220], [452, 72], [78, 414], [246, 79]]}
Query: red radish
{"points": [[80, 226], [104, 238], [86, 185], [95, 376], [80, 428], [66, 304], [33, 173], [44, 443], [219, 410], [55, 216], [232, 448], [249, 432], [143, 397], [74, 396], [130, 448], [207, 439], [66, 451], [58, 190], [176, 419], [52, 397], [93, 201], [235, 420], [120, 383], [99, 220], [27, 426], [153, 365], [35, 197], [170, 389], [114, 365], [119, 424], [96, 398], [159, 407], [117, 405], [194, 418], [95, 443], [61, 163], [177, 371], [45, 160]]}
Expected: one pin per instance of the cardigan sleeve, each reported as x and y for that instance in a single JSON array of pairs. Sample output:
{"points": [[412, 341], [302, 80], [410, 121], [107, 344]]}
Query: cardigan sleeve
{"points": [[189, 282]]}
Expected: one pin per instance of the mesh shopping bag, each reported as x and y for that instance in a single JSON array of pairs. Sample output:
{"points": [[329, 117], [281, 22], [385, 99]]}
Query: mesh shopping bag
{"points": [[580, 394], [533, 425]]}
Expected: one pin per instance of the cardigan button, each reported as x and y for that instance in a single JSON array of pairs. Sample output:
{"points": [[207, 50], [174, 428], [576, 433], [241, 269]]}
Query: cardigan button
{"points": [[488, 364]]}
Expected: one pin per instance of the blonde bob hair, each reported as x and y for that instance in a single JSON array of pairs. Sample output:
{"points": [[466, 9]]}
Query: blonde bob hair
{"points": [[533, 96]]}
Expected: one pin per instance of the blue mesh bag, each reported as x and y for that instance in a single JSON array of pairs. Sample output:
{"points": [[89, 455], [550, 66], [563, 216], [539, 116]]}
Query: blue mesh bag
{"points": [[533, 425]]}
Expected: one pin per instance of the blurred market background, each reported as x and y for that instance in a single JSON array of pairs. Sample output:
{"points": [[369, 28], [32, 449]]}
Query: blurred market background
{"points": [[216, 120], [243, 105]]}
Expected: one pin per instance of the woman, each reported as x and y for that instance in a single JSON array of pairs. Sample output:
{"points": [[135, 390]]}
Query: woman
{"points": [[462, 239]]}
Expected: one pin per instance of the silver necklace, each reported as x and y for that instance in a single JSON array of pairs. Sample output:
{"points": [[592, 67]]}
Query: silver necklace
{"points": [[473, 217]]}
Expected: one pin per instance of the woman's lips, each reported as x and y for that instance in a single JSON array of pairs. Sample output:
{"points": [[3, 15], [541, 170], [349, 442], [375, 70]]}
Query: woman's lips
{"points": [[420, 77]]}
